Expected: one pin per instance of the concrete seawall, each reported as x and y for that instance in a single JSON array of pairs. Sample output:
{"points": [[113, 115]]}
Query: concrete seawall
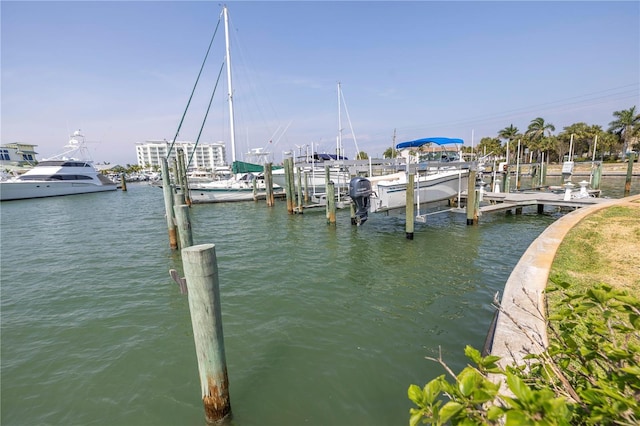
{"points": [[521, 324]]}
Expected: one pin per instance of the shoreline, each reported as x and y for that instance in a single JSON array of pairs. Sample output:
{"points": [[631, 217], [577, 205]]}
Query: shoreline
{"points": [[584, 169]]}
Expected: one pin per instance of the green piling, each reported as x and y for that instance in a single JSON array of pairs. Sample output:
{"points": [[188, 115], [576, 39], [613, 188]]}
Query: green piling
{"points": [[168, 204], [331, 203], [472, 203], [201, 273], [410, 207], [183, 224]]}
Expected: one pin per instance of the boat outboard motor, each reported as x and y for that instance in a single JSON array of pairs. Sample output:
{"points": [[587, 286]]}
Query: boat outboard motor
{"points": [[360, 191]]}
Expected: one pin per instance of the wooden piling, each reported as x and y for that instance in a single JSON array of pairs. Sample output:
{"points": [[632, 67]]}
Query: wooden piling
{"points": [[306, 186], [627, 182], [201, 272], [506, 181], [123, 182], [182, 173], [299, 190], [410, 208], [535, 178], [254, 187], [183, 224], [472, 202], [268, 183], [168, 204], [288, 169], [597, 176], [331, 203]]}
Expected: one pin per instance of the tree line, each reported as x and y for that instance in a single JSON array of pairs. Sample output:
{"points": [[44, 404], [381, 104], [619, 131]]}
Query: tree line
{"points": [[622, 136]]}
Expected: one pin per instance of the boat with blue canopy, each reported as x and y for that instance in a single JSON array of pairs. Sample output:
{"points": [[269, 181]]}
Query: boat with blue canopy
{"points": [[440, 174], [424, 141]]}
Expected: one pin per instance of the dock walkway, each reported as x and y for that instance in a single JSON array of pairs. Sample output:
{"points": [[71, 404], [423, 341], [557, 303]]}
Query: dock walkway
{"points": [[507, 201]]}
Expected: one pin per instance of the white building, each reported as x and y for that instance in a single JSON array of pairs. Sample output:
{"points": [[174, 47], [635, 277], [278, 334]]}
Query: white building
{"points": [[17, 156], [207, 155]]}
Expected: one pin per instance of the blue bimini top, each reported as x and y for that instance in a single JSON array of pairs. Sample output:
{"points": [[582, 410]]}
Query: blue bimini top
{"points": [[419, 142]]}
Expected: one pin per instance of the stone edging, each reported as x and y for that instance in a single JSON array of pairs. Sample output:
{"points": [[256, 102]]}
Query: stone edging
{"points": [[521, 326]]}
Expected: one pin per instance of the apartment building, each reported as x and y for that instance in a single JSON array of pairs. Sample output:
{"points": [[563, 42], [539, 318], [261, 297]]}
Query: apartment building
{"points": [[208, 156]]}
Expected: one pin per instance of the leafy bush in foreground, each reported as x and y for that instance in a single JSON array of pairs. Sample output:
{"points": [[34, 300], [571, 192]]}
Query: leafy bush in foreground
{"points": [[589, 374]]}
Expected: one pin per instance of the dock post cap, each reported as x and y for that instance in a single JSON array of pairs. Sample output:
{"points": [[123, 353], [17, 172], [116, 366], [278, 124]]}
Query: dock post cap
{"points": [[199, 247]]}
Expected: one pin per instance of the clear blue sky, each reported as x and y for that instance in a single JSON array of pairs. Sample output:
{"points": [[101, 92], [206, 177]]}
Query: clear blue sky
{"points": [[123, 71]]}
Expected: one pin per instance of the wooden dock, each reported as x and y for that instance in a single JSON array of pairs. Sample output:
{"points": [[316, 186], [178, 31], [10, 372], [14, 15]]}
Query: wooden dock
{"points": [[517, 200]]}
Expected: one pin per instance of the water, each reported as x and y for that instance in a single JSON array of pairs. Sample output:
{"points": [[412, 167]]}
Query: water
{"points": [[322, 325]]}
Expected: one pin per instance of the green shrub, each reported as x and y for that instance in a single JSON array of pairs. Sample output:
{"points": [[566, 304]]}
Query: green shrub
{"points": [[589, 374]]}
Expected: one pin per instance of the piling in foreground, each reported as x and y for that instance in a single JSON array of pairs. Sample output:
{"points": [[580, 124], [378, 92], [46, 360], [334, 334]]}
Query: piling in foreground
{"points": [[201, 272]]}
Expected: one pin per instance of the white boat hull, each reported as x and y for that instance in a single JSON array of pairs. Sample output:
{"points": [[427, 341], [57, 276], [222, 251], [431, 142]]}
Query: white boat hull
{"points": [[226, 195], [26, 190], [391, 193]]}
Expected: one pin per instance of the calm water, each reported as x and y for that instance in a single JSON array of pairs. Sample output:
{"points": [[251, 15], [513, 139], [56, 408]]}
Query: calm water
{"points": [[323, 325]]}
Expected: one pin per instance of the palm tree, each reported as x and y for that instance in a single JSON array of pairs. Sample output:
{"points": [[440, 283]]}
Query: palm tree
{"points": [[625, 126], [390, 152], [537, 132], [509, 133]]}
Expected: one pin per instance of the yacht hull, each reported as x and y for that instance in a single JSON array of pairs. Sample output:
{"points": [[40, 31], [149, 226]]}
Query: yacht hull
{"points": [[26, 190]]}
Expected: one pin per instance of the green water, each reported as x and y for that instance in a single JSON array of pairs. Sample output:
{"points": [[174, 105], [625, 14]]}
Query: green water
{"points": [[323, 325]]}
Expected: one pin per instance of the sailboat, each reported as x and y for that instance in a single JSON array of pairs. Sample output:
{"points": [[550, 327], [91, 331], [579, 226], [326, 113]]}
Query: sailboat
{"points": [[312, 165], [247, 182]]}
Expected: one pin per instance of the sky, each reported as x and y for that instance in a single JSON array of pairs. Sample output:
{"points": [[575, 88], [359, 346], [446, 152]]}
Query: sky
{"points": [[123, 71]]}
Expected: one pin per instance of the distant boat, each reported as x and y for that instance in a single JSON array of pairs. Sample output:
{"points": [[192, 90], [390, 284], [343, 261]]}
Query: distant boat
{"points": [[441, 174], [68, 173]]}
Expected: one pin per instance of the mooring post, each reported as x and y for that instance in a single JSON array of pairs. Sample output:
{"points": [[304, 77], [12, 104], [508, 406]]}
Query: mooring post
{"points": [[410, 208], [168, 203], [254, 187], [597, 176], [292, 178], [201, 272], [331, 203], [299, 190], [306, 187], [184, 225], [123, 182], [184, 180], [627, 182], [287, 184], [178, 198], [507, 180], [472, 210], [268, 183]]}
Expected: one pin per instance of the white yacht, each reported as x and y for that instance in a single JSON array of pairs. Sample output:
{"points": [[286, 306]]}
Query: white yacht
{"points": [[65, 174]]}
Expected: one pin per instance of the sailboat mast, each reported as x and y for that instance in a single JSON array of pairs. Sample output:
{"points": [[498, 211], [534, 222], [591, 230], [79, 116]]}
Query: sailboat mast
{"points": [[339, 140], [229, 85]]}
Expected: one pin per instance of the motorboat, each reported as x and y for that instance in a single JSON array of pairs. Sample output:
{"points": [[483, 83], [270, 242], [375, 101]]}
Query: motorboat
{"points": [[71, 172], [439, 174]]}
